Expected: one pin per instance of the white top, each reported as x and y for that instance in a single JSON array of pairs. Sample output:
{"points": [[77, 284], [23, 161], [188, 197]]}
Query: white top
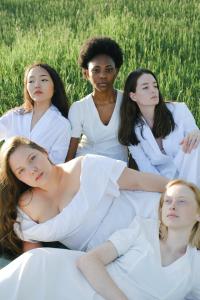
{"points": [[49, 274], [96, 138], [149, 156], [96, 211], [52, 131], [139, 272]]}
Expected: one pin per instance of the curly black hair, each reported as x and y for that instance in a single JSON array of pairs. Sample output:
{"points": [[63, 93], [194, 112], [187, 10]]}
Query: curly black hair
{"points": [[97, 46]]}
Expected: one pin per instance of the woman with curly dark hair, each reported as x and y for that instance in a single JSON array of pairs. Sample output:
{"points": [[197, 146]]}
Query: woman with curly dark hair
{"points": [[162, 137], [95, 118]]}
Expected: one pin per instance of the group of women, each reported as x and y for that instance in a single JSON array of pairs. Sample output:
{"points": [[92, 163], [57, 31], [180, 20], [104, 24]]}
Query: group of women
{"points": [[93, 202]]}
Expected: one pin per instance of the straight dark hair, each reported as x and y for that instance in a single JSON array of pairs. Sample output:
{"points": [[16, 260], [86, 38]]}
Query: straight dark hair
{"points": [[130, 114], [59, 98]]}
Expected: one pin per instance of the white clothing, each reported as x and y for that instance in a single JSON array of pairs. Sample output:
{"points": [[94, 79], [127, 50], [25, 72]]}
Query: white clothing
{"points": [[96, 211], [52, 131], [96, 138], [174, 162], [49, 274]]}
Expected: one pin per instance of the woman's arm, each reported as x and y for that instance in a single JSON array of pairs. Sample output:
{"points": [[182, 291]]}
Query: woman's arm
{"points": [[191, 141], [72, 148], [135, 180], [29, 246], [92, 265]]}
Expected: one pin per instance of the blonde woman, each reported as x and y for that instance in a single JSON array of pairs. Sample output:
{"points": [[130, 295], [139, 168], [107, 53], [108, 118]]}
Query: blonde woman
{"points": [[149, 260]]}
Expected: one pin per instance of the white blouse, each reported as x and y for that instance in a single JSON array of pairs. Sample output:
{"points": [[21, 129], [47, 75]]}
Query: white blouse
{"points": [[52, 131], [96, 137], [97, 210]]}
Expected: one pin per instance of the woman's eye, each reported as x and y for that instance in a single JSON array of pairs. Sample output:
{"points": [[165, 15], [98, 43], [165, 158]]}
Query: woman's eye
{"points": [[95, 71], [167, 201], [32, 157], [110, 70], [44, 80], [20, 171], [30, 81], [181, 201], [145, 88]]}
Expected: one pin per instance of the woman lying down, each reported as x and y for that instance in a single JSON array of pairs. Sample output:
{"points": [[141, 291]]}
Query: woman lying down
{"points": [[149, 260]]}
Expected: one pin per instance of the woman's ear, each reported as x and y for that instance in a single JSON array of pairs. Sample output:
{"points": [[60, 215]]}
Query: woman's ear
{"points": [[132, 96], [85, 73], [198, 218]]}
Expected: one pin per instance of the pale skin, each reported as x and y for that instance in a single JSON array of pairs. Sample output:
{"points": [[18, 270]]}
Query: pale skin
{"points": [[146, 96], [101, 73], [40, 88], [179, 213], [54, 186]]}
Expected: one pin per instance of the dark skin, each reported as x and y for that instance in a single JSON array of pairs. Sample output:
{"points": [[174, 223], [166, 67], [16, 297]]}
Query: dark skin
{"points": [[101, 73]]}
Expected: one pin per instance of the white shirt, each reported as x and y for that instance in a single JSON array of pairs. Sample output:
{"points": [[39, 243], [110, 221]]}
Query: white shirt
{"points": [[52, 131], [139, 272], [97, 138], [172, 162], [95, 212]]}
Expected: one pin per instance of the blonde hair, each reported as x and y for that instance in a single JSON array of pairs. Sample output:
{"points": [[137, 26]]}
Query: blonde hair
{"points": [[194, 239]]}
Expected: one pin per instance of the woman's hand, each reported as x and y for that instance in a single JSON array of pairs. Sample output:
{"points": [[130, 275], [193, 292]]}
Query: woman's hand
{"points": [[191, 141]]}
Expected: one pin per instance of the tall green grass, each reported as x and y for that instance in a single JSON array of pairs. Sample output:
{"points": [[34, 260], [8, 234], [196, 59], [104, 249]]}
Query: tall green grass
{"points": [[162, 35]]}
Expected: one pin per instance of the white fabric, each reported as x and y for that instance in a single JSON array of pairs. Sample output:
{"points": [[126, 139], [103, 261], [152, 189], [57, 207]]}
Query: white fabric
{"points": [[52, 131], [175, 163], [96, 211], [49, 274], [96, 138]]}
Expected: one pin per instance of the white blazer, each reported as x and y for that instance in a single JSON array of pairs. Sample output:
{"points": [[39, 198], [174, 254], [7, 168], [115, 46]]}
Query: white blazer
{"points": [[147, 153]]}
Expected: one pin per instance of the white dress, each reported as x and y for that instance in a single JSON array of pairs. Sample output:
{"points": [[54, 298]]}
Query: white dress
{"points": [[96, 211], [172, 162], [52, 131], [49, 274], [96, 138]]}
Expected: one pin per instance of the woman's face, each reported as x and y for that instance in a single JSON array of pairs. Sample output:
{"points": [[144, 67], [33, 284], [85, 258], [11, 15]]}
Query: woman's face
{"points": [[40, 85], [101, 73], [180, 209], [147, 93], [30, 166]]}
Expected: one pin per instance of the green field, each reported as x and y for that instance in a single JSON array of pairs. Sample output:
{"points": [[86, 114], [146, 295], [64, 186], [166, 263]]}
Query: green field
{"points": [[162, 35]]}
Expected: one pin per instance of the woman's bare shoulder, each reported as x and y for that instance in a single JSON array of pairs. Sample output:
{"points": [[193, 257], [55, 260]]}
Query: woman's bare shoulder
{"points": [[73, 165]]}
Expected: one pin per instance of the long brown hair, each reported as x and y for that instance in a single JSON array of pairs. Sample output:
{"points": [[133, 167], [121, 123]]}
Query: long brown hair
{"points": [[130, 115], [194, 239], [11, 189], [59, 98]]}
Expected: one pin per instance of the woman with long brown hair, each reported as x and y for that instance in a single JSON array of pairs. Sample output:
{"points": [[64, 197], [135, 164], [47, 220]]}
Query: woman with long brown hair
{"points": [[78, 203]]}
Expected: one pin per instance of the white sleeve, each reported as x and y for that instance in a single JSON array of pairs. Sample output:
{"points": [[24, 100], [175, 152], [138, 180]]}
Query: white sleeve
{"points": [[124, 239], [189, 121], [195, 292], [5, 123], [99, 177], [141, 159], [59, 149], [75, 117]]}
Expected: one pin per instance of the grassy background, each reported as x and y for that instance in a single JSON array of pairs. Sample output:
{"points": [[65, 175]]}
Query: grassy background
{"points": [[162, 35]]}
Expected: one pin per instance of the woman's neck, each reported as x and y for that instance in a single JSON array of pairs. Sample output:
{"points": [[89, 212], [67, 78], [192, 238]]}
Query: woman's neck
{"points": [[177, 240], [148, 115], [38, 111], [106, 97]]}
